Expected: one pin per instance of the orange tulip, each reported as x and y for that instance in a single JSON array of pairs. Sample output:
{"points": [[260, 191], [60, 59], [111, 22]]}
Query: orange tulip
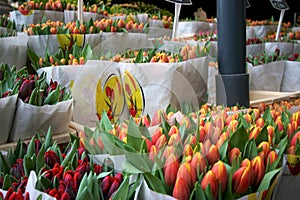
{"points": [[213, 154], [162, 140], [152, 153], [272, 157], [234, 154], [157, 133], [219, 169], [254, 132], [295, 138], [188, 150], [202, 133], [187, 173], [241, 180], [173, 130], [170, 170], [181, 190], [219, 122], [265, 149], [211, 180], [260, 122], [258, 167], [198, 162], [174, 139]]}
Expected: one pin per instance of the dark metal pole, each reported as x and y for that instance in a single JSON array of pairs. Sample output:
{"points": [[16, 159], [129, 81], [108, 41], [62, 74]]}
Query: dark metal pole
{"points": [[232, 82]]}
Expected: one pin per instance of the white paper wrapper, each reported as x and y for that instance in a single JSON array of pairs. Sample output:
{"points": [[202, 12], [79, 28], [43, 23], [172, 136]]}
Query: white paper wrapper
{"points": [[84, 91], [190, 28], [156, 32], [14, 50], [255, 49], [294, 29], [35, 17], [213, 46], [285, 47], [266, 77], [166, 45], [118, 160], [6, 30], [72, 16], [212, 26], [162, 84], [39, 43], [262, 31], [250, 32], [291, 77], [119, 42], [65, 75], [34, 193], [211, 84], [144, 192], [8, 107], [30, 119], [156, 23]]}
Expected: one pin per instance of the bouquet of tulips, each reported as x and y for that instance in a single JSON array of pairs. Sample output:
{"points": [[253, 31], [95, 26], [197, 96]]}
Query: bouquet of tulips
{"points": [[41, 169], [214, 153], [47, 104]]}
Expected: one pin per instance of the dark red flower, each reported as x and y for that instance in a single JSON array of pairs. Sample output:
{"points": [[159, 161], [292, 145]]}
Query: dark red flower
{"points": [[51, 158], [54, 193], [105, 184], [17, 169], [69, 177], [26, 89], [98, 169], [65, 196]]}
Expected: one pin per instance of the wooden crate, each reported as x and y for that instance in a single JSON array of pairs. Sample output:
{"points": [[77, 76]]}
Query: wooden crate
{"points": [[267, 97], [60, 138]]}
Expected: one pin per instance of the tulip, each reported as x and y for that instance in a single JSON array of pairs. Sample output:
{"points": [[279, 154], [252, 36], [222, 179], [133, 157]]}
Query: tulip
{"points": [[202, 133], [279, 123], [291, 150], [256, 113], [246, 163], [181, 190], [232, 126], [223, 137], [258, 167], [153, 152], [105, 184], [254, 132], [219, 169], [157, 133], [187, 173], [241, 180], [175, 139], [265, 146], [295, 138], [162, 140], [213, 154], [173, 130], [170, 170], [17, 169], [219, 122], [248, 118], [234, 154], [272, 157], [198, 162], [260, 122], [289, 130], [229, 119], [113, 188], [188, 150], [211, 180], [208, 129]]}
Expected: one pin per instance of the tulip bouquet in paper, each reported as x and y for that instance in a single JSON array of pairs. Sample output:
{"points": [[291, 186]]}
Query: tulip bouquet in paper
{"points": [[42, 169], [214, 153]]}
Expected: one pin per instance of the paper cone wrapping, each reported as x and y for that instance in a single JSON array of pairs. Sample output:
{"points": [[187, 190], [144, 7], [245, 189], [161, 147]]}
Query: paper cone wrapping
{"points": [[291, 77], [190, 28]]}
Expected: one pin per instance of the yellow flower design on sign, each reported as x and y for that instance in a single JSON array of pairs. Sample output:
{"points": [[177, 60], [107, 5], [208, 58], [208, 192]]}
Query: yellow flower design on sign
{"points": [[110, 98], [66, 41], [133, 94]]}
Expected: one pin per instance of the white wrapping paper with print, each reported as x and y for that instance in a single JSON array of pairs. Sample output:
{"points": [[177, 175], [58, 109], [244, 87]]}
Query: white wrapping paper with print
{"points": [[255, 49], [291, 77], [285, 47], [97, 88], [65, 75], [8, 107], [266, 77], [30, 119], [34, 17], [40, 43], [113, 43], [14, 50], [72, 16], [262, 31], [152, 86], [190, 28], [157, 32]]}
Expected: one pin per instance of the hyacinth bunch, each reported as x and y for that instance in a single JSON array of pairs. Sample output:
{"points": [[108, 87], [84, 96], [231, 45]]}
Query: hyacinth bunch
{"points": [[214, 153], [63, 172]]}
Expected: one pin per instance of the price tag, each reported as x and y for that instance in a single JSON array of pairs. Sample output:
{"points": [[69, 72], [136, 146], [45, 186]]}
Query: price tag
{"points": [[183, 2], [279, 4]]}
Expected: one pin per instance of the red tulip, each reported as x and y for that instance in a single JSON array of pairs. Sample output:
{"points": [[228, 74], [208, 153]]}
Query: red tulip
{"points": [[188, 150], [254, 132], [234, 154], [202, 133], [162, 140], [219, 122], [173, 130], [181, 190], [153, 152], [289, 130], [198, 162], [265, 146], [241, 180], [211, 180], [105, 184], [258, 167], [260, 122], [272, 157], [170, 170], [187, 173], [213, 154], [223, 137], [175, 139], [157, 133], [295, 138], [219, 169]]}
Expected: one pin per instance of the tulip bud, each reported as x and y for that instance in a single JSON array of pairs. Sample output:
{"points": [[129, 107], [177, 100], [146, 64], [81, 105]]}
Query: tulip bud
{"points": [[211, 180], [208, 129], [219, 169], [175, 139], [113, 188], [272, 157], [187, 173], [265, 146], [181, 190], [254, 132], [295, 138], [198, 163], [234, 154], [260, 122], [105, 184], [173, 130], [223, 137], [157, 133], [258, 167], [188, 150], [213, 154], [202, 133], [170, 170], [162, 140], [51, 158], [241, 180], [246, 163]]}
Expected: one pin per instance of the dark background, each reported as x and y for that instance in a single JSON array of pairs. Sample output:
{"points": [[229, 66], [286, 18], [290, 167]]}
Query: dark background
{"points": [[258, 10]]}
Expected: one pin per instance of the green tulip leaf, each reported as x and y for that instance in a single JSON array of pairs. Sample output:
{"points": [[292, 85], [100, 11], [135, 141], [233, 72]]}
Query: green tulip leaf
{"points": [[223, 149], [250, 150], [262, 136], [265, 183], [239, 138], [154, 183], [122, 191], [134, 136]]}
